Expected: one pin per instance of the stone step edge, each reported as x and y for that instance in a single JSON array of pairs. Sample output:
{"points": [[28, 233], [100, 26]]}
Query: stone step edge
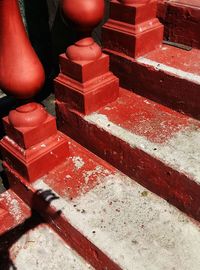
{"points": [[163, 84], [13, 211], [176, 187], [59, 223], [23, 221]]}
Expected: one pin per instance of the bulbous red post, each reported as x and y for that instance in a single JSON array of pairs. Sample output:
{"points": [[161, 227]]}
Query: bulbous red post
{"points": [[29, 126], [21, 73], [84, 16]]}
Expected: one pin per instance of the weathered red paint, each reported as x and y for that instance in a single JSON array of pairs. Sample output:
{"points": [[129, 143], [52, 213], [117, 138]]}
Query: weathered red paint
{"points": [[132, 29], [21, 73], [177, 188], [144, 118], [72, 180], [165, 88], [89, 96], [188, 61], [33, 145], [130, 2], [60, 223], [28, 148], [181, 19], [10, 216]]}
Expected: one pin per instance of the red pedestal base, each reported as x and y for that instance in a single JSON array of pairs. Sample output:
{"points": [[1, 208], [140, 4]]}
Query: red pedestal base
{"points": [[133, 29], [86, 85], [33, 151]]}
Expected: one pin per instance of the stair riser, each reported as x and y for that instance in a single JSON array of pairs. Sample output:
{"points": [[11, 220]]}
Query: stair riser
{"points": [[59, 223], [177, 93], [152, 173], [182, 23]]}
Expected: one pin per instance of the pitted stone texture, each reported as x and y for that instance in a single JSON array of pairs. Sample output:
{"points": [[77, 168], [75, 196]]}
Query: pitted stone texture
{"points": [[132, 226], [181, 151], [41, 249]]}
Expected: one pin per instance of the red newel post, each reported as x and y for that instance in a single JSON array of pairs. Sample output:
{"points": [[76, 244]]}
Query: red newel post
{"points": [[32, 145], [132, 29], [85, 82]]}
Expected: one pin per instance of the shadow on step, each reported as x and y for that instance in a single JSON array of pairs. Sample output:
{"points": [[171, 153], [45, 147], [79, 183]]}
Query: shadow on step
{"points": [[12, 236]]}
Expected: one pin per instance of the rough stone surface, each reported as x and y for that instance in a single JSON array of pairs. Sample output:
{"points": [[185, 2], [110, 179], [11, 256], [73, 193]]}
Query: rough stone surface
{"points": [[41, 249], [132, 226], [181, 151]]}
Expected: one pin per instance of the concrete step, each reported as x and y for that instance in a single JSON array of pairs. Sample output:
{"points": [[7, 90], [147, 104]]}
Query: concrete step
{"points": [[13, 211], [148, 142], [110, 219], [181, 19], [168, 75], [26, 242]]}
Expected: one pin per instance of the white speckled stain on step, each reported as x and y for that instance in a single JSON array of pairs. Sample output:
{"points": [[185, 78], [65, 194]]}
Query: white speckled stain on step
{"points": [[181, 152], [13, 205], [171, 70], [132, 226], [42, 249]]}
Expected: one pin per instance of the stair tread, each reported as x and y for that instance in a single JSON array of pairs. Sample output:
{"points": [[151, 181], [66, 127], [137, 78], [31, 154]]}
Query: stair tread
{"points": [[42, 248], [161, 132], [194, 3], [28, 243], [134, 227], [13, 211], [181, 63]]}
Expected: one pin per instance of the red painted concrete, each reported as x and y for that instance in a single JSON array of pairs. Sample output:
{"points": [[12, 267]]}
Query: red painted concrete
{"points": [[170, 90], [89, 96], [182, 21], [56, 220], [21, 73], [85, 70], [188, 61], [32, 140], [134, 33], [28, 136], [13, 211], [85, 83], [145, 118], [152, 173]]}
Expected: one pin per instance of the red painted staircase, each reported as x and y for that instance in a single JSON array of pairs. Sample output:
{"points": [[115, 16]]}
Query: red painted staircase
{"points": [[133, 201]]}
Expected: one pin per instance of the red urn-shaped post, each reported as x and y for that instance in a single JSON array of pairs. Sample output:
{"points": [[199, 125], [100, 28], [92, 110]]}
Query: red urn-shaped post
{"points": [[21, 73], [85, 82], [84, 16], [33, 145]]}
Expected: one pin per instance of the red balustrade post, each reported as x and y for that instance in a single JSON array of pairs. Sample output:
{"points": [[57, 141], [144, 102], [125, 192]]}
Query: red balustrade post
{"points": [[132, 29], [32, 145], [85, 83]]}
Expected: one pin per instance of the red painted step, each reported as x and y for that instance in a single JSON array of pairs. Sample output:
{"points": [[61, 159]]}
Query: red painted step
{"points": [[149, 142], [26, 242], [168, 75], [13, 211], [111, 220], [181, 19]]}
